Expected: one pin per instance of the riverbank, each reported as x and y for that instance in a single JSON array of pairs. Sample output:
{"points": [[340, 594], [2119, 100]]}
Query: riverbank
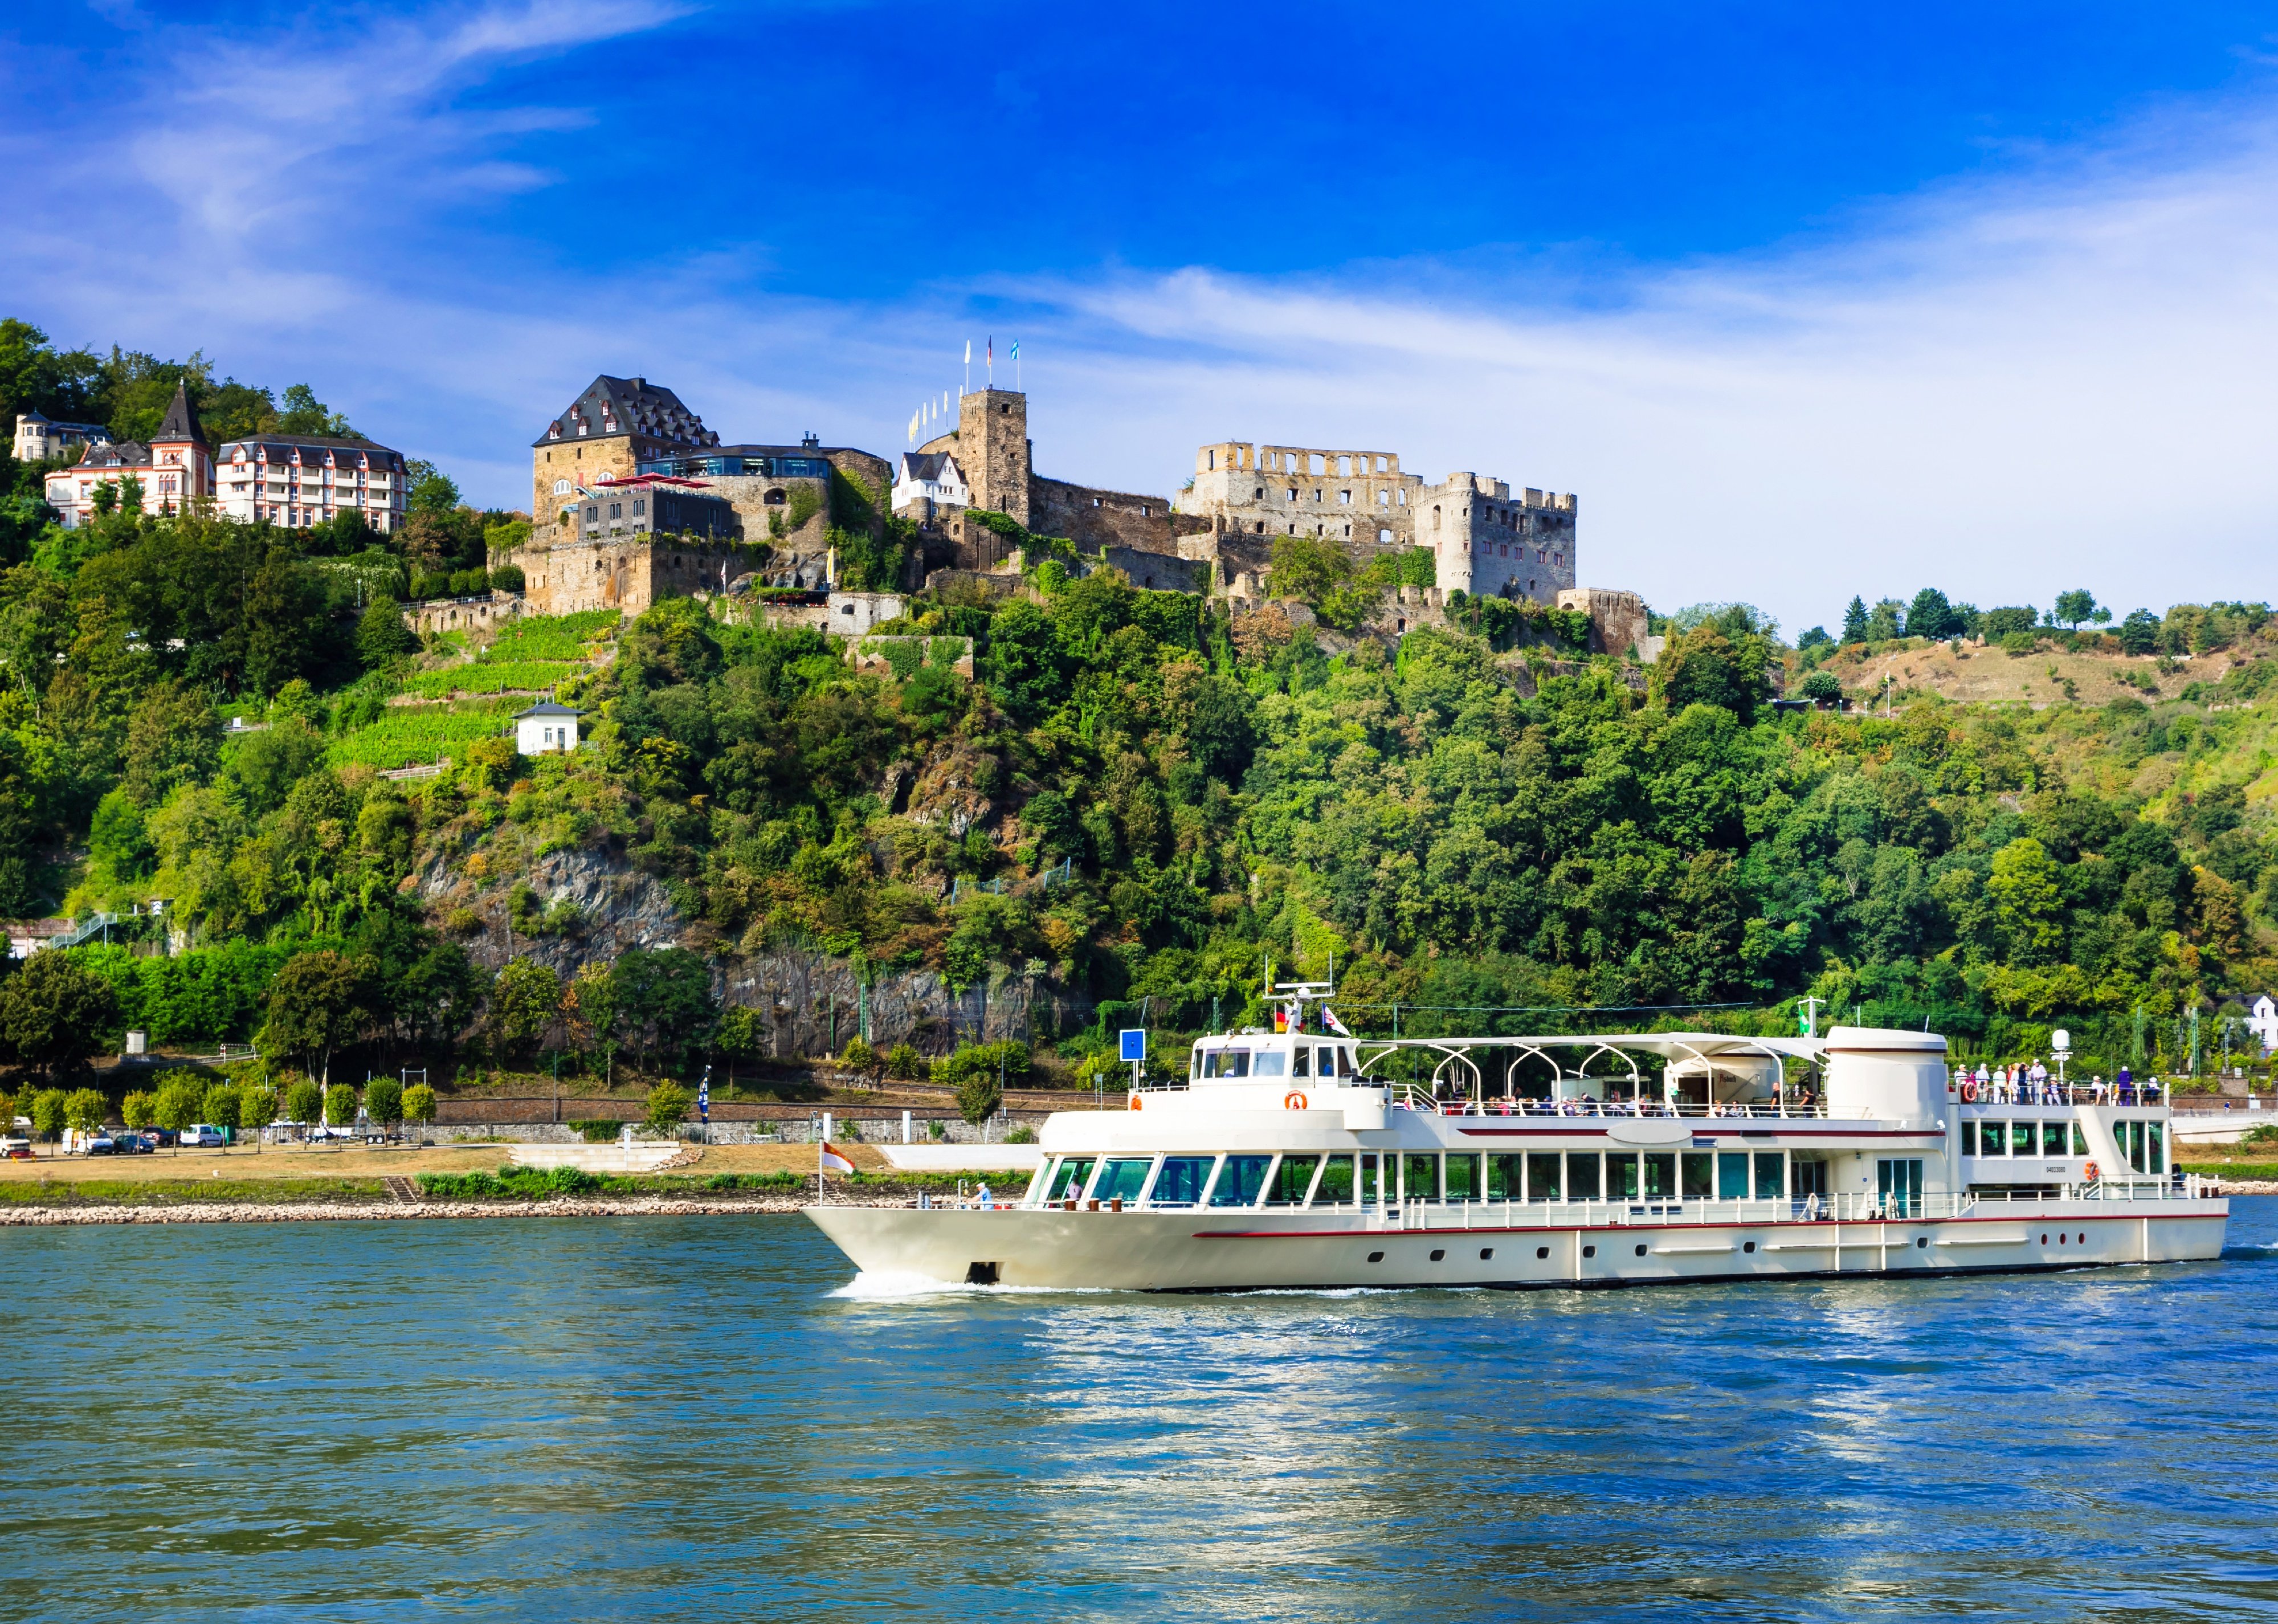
{"points": [[361, 1212]]}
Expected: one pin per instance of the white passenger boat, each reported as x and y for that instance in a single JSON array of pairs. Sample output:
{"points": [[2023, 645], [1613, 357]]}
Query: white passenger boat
{"points": [[1306, 1159]]}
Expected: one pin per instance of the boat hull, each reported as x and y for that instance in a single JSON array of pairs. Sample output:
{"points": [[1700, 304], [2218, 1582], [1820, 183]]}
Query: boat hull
{"points": [[1185, 1251]]}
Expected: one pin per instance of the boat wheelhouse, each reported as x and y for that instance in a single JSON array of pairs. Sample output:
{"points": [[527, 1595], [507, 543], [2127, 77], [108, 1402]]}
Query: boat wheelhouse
{"points": [[1296, 1157]]}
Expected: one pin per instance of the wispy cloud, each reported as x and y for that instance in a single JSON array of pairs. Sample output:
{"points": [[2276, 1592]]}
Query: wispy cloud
{"points": [[2006, 387]]}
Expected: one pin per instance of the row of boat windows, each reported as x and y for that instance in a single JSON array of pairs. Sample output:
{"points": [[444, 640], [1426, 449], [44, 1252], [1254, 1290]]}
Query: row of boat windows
{"points": [[2143, 1143], [1306, 1060], [1375, 1178]]}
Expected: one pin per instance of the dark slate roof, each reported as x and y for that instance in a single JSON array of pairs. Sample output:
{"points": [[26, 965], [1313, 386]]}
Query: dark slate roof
{"points": [[547, 707], [310, 442], [118, 453], [180, 421], [926, 466], [612, 406]]}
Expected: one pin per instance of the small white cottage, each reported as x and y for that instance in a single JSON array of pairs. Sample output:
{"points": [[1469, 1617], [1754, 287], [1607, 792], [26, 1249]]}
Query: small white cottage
{"points": [[2264, 1021], [545, 727]]}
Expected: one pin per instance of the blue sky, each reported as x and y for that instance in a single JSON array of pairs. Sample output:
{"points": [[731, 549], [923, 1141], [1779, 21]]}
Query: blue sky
{"points": [[1801, 300]]}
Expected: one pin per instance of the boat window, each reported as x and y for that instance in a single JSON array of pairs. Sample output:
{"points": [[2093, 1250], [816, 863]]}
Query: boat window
{"points": [[1700, 1171], [2052, 1138], [1122, 1179], [1504, 1174], [1067, 1178], [2021, 1138], [1194, 1063], [1290, 1181], [2079, 1140], [1771, 1175], [1181, 1182], [1463, 1178], [1732, 1176], [1226, 1063], [1419, 1178], [1371, 1186], [1303, 1062], [1806, 1176], [1269, 1063], [1542, 1182], [1582, 1182], [1336, 1186], [1661, 1176], [1969, 1137], [2156, 1157], [1621, 1176], [1240, 1178], [1334, 1062]]}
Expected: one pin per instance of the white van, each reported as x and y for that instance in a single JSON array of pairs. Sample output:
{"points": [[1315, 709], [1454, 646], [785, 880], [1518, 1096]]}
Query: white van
{"points": [[204, 1136]]}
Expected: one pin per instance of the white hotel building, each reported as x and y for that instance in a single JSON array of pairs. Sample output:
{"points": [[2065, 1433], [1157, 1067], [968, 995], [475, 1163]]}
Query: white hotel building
{"points": [[302, 480]]}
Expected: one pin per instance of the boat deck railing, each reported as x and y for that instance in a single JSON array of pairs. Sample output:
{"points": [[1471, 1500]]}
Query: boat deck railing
{"points": [[1415, 1097], [1653, 1211]]}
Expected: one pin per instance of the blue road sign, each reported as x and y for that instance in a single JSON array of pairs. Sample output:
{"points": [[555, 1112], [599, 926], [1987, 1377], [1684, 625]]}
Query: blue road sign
{"points": [[1135, 1043], [704, 1098]]}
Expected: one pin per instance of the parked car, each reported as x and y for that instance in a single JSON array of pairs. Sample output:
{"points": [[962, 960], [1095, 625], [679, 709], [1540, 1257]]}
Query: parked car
{"points": [[16, 1150], [135, 1144], [102, 1145], [204, 1136]]}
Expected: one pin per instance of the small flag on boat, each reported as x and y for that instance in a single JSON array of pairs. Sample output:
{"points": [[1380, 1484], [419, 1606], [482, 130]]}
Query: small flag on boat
{"points": [[1281, 1019], [1336, 1025], [834, 1160]]}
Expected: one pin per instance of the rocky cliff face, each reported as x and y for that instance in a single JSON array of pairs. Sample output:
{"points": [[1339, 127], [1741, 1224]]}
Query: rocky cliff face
{"points": [[810, 1003]]}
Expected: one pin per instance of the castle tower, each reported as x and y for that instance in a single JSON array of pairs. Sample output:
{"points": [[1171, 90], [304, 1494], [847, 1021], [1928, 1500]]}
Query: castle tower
{"points": [[992, 448]]}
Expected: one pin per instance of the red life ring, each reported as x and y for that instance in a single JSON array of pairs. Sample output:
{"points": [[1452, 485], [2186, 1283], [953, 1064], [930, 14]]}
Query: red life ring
{"points": [[1135, 1102], [1970, 1091], [2089, 1172], [1293, 1100]]}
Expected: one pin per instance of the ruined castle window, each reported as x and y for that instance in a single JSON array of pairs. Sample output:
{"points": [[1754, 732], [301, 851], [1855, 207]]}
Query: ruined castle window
{"points": [[775, 498], [1383, 499], [1293, 494], [1094, 502], [1315, 463], [1383, 465], [1344, 465], [1261, 527], [1345, 497], [1383, 537], [1435, 518], [1210, 460], [1146, 512], [1403, 498]]}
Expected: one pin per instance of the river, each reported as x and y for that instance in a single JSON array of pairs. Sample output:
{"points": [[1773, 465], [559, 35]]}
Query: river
{"points": [[694, 1419]]}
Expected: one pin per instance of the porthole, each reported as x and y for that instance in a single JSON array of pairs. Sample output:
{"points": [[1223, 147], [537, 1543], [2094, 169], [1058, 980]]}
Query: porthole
{"points": [[1437, 1254], [1589, 1252], [1486, 1253], [1921, 1240], [2044, 1239], [1750, 1246], [1542, 1251], [2060, 1240], [1640, 1252], [1376, 1257]]}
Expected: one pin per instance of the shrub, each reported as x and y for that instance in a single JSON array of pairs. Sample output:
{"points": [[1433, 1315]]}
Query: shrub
{"points": [[1822, 688], [304, 1101], [667, 1105], [2017, 645], [860, 1058], [598, 1129], [1021, 1135], [904, 1064]]}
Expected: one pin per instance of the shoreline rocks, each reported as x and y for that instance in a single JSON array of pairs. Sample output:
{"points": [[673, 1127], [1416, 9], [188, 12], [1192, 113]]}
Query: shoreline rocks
{"points": [[302, 1212]]}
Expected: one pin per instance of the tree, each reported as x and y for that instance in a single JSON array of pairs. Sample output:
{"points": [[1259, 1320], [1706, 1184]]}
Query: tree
{"points": [[904, 1064], [1854, 621], [316, 1004], [2075, 607], [1932, 614], [1886, 620], [221, 1104], [590, 1007], [134, 1110], [668, 1106], [1822, 688], [860, 1058], [524, 1001], [257, 1106], [381, 636], [47, 1114], [304, 1101], [1703, 667], [383, 1102], [2139, 633], [419, 1104], [340, 1106], [177, 1105], [666, 997], [84, 1109], [56, 1014]]}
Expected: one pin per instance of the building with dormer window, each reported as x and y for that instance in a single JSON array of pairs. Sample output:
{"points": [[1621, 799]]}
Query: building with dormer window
{"points": [[297, 480], [42, 440]]}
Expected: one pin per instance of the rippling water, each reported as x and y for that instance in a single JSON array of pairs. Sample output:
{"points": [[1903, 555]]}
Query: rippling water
{"points": [[665, 1418]]}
